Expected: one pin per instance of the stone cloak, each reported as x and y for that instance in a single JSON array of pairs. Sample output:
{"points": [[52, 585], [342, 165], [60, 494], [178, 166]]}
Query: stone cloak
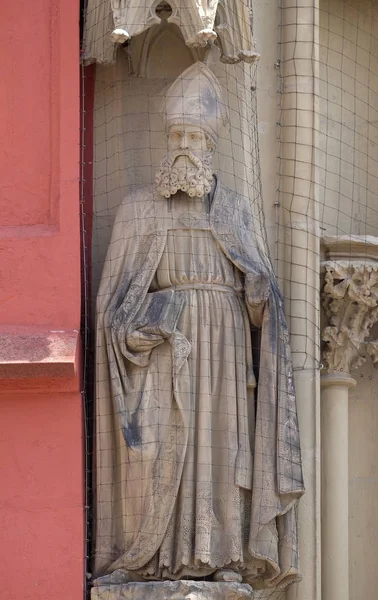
{"points": [[137, 244]]}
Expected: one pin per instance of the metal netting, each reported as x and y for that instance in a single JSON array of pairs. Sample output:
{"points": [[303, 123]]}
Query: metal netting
{"points": [[196, 465]]}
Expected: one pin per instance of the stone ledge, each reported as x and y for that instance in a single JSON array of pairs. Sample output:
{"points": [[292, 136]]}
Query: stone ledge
{"points": [[173, 590], [29, 355], [355, 248]]}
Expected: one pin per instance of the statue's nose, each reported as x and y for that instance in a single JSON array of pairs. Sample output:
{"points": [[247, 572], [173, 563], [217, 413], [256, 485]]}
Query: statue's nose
{"points": [[184, 143]]}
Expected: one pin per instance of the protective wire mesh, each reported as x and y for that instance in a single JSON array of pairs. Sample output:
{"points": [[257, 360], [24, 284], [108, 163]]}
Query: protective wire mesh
{"points": [[196, 466], [348, 118], [346, 162], [328, 228]]}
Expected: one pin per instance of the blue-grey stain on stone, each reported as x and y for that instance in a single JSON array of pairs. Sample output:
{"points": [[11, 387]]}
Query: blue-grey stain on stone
{"points": [[131, 431]]}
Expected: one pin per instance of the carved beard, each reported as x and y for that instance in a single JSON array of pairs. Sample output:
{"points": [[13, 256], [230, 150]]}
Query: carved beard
{"points": [[195, 179]]}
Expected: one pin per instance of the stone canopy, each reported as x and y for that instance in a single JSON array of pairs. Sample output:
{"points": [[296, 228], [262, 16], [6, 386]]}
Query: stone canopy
{"points": [[110, 23]]}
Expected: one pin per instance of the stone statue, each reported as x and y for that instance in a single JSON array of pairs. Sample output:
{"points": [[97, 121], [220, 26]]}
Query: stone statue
{"points": [[198, 468]]}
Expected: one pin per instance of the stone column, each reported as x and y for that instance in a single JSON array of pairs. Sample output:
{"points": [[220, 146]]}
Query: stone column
{"points": [[350, 309], [334, 423], [299, 261]]}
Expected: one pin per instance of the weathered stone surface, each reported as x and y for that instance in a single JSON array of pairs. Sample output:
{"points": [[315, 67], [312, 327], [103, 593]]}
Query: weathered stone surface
{"points": [[173, 590], [200, 22], [350, 302], [179, 442]]}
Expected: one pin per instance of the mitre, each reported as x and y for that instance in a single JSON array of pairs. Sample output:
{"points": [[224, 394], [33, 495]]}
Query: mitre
{"points": [[195, 98]]}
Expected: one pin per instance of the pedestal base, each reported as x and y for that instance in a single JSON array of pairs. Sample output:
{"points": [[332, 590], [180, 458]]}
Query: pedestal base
{"points": [[173, 590]]}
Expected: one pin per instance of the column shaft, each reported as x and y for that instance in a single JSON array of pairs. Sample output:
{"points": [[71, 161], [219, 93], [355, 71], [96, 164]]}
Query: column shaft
{"points": [[299, 261], [334, 422]]}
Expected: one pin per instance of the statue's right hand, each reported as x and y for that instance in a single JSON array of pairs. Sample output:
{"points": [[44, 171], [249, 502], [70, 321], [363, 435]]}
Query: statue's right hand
{"points": [[257, 288], [142, 341]]}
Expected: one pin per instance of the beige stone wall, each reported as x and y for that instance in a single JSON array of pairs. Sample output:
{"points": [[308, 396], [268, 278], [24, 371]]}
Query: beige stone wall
{"points": [[347, 159], [266, 32], [347, 153]]}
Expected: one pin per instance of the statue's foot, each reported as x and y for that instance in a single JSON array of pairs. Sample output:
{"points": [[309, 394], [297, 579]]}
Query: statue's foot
{"points": [[118, 577], [227, 575]]}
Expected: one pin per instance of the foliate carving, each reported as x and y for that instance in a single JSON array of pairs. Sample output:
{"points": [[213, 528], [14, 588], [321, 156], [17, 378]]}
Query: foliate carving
{"points": [[372, 349], [350, 303], [225, 21]]}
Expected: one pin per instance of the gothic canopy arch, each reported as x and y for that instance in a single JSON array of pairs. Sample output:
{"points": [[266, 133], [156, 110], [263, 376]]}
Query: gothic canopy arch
{"points": [[110, 23]]}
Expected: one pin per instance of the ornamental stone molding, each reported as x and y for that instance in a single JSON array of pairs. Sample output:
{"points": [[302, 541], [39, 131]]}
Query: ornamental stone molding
{"points": [[225, 22], [349, 301]]}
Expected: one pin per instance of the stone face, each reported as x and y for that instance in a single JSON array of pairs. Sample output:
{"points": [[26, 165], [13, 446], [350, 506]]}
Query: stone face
{"points": [[173, 590]]}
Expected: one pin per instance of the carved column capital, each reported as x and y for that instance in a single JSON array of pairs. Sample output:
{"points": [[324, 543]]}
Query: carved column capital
{"points": [[349, 302]]}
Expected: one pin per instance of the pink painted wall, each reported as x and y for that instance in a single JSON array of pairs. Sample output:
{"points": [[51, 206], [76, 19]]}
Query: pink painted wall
{"points": [[41, 451], [41, 530], [39, 163]]}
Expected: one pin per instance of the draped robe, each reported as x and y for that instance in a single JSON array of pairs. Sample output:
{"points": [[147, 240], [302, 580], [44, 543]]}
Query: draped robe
{"points": [[140, 448]]}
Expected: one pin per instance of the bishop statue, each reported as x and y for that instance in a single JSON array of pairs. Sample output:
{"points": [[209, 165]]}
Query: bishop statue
{"points": [[198, 467]]}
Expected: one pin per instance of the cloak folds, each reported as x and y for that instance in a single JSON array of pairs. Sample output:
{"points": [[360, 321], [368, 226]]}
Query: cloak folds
{"points": [[130, 447]]}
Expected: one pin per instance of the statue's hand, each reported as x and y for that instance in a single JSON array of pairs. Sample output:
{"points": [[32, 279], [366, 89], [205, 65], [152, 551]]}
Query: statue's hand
{"points": [[257, 288], [143, 341]]}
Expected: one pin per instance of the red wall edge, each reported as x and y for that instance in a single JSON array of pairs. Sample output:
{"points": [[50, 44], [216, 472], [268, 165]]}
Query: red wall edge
{"points": [[88, 79]]}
